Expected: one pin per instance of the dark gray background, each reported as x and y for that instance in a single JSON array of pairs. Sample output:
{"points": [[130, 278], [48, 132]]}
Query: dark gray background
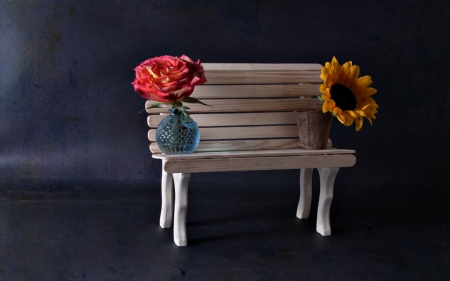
{"points": [[68, 110], [79, 191]]}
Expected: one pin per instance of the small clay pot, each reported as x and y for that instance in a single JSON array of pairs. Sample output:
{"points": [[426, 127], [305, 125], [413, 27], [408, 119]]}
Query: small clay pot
{"points": [[313, 128]]}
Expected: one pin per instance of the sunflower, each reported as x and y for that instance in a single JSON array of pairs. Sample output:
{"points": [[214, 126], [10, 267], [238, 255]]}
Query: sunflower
{"points": [[345, 95]]}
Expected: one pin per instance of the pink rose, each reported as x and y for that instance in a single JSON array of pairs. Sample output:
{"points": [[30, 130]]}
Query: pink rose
{"points": [[168, 79]]}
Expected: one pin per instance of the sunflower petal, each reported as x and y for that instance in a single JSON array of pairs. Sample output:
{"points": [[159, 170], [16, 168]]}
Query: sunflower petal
{"points": [[367, 92], [352, 113], [325, 107], [342, 118], [323, 88], [337, 111], [361, 113], [358, 123], [344, 73], [334, 60], [331, 103], [353, 76], [349, 119], [361, 83]]}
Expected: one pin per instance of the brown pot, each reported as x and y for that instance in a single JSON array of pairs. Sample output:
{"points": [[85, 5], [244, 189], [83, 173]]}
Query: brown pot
{"points": [[313, 128]]}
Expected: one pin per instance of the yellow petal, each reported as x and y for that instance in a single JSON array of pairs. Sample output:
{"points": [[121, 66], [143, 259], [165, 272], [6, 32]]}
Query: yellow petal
{"points": [[325, 107], [344, 73], [353, 76], [365, 93], [360, 113], [349, 120], [361, 83], [337, 111], [359, 123], [352, 113], [331, 103], [335, 61], [322, 88], [333, 75], [366, 101], [342, 118]]}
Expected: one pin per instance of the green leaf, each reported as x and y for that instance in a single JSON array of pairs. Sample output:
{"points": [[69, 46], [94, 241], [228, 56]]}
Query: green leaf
{"points": [[183, 109], [154, 105], [185, 114], [320, 98], [194, 100]]}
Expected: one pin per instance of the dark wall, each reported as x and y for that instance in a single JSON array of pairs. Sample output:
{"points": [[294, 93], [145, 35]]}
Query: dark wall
{"points": [[68, 110]]}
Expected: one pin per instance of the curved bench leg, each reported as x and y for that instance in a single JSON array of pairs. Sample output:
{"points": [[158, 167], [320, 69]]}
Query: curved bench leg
{"points": [[327, 176], [166, 218], [304, 203], [181, 192]]}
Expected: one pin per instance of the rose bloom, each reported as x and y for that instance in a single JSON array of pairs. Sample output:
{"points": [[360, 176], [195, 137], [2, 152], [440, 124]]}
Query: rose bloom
{"points": [[168, 79]]}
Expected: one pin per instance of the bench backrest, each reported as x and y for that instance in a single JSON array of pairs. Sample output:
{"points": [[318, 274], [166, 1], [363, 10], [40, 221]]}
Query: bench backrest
{"points": [[252, 105]]}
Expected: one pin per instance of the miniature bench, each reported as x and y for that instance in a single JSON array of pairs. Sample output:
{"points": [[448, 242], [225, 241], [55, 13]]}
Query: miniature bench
{"points": [[250, 126]]}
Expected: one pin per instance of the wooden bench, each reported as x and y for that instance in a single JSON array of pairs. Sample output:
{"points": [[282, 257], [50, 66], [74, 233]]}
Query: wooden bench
{"points": [[250, 126]]}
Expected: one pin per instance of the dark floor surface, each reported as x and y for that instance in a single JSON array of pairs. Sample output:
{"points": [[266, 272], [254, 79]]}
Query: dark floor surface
{"points": [[94, 230]]}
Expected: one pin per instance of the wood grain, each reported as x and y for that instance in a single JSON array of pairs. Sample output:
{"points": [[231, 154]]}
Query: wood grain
{"points": [[229, 133], [238, 145], [236, 119], [255, 91], [247, 105], [251, 77], [261, 66], [255, 153], [258, 163]]}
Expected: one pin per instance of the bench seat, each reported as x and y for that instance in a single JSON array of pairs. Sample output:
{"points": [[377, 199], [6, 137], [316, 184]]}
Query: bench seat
{"points": [[254, 160]]}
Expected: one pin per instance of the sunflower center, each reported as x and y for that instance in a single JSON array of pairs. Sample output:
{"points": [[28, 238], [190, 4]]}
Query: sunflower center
{"points": [[343, 97]]}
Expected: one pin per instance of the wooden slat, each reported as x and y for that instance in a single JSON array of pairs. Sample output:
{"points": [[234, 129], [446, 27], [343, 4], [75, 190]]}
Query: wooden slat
{"points": [[255, 153], [258, 163], [248, 105], [262, 77], [255, 91], [260, 66], [256, 132], [236, 145], [236, 119]]}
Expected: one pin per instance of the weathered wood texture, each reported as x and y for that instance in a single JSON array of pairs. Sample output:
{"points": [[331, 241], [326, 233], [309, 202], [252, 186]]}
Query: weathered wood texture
{"points": [[237, 119], [208, 91], [248, 105], [252, 106], [262, 73], [258, 163], [237, 145]]}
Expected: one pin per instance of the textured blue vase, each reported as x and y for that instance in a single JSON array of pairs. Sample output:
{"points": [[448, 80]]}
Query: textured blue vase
{"points": [[175, 135]]}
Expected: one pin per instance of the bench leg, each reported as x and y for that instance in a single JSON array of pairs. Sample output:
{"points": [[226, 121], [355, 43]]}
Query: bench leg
{"points": [[304, 204], [327, 176], [181, 192], [166, 218]]}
